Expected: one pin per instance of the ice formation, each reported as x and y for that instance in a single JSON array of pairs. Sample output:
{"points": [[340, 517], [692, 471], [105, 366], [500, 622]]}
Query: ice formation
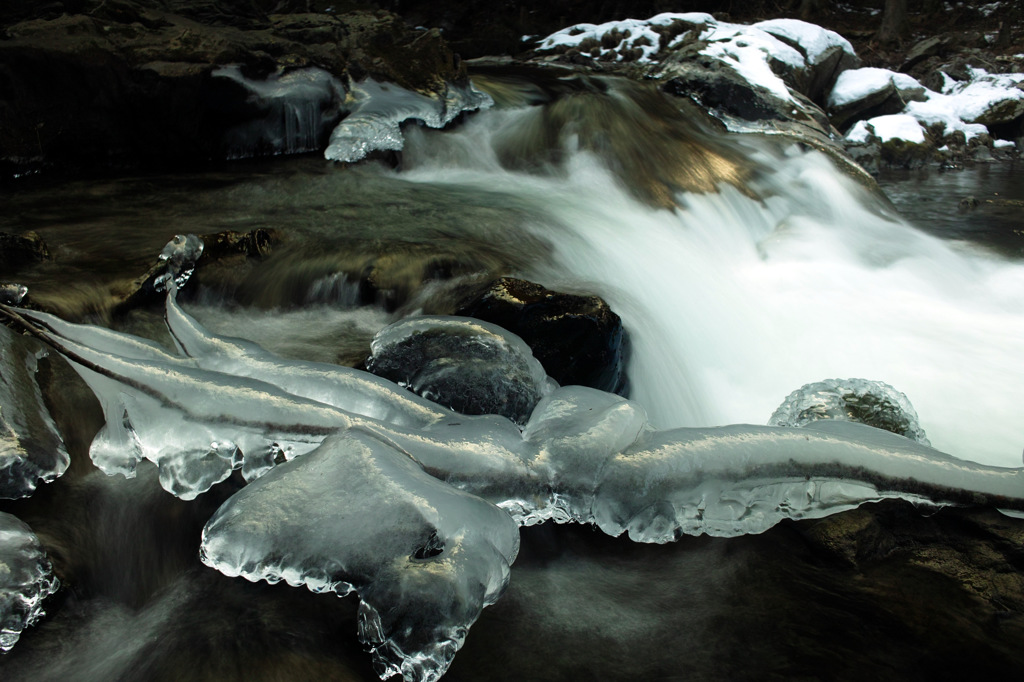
{"points": [[296, 109], [31, 448], [357, 515], [471, 366], [374, 121], [417, 515], [26, 579], [874, 403]]}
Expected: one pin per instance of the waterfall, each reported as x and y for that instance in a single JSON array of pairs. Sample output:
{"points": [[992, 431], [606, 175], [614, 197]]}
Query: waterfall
{"points": [[734, 298]]}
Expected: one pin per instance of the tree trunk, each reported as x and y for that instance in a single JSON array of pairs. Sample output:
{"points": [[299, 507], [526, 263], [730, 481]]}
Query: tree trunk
{"points": [[813, 9], [895, 25]]}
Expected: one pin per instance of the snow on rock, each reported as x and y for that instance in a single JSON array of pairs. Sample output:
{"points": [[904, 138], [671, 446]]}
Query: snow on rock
{"points": [[764, 54], [885, 128], [26, 579], [813, 40], [860, 84], [967, 107]]}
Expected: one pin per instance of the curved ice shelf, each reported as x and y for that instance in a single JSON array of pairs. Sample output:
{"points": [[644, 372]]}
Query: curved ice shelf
{"points": [[26, 579], [374, 122]]}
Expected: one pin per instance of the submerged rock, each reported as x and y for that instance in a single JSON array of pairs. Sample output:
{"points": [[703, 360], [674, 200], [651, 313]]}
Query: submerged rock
{"points": [[19, 250], [578, 339]]}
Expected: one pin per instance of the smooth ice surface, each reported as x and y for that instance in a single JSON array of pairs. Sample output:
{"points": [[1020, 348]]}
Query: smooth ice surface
{"points": [[342, 387], [379, 109], [356, 514], [471, 366], [26, 579], [31, 448], [874, 403]]}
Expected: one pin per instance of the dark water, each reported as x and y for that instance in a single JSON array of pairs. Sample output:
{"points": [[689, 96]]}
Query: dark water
{"points": [[982, 205]]}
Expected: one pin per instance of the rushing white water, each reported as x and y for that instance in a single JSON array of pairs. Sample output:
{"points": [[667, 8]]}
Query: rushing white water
{"points": [[732, 302]]}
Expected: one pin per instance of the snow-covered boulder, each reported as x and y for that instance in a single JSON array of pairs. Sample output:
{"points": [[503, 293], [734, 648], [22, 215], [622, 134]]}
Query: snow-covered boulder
{"points": [[869, 92]]}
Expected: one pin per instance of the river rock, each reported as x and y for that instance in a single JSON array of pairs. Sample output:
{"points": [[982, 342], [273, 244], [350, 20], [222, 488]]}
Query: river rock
{"points": [[578, 339], [19, 250], [860, 94], [126, 82]]}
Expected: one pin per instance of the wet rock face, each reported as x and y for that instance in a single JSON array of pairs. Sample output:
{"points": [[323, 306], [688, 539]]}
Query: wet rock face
{"points": [[578, 339], [130, 83]]}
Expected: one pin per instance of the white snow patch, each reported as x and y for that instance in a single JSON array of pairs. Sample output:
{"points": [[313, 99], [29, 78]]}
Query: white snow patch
{"points": [[814, 39], [1004, 144], [855, 84], [885, 128]]}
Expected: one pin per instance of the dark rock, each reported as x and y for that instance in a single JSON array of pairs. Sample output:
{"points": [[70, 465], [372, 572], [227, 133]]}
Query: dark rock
{"points": [[578, 339], [470, 366], [17, 251], [130, 84], [717, 87]]}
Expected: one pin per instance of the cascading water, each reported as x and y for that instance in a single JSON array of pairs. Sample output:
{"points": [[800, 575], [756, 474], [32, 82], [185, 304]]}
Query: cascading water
{"points": [[734, 298]]}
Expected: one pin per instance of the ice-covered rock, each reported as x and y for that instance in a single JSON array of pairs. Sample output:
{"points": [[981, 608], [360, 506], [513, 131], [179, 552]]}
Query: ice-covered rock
{"points": [[31, 448], [379, 109], [288, 112], [874, 403], [471, 366], [180, 254], [869, 92], [357, 515], [26, 579], [358, 392]]}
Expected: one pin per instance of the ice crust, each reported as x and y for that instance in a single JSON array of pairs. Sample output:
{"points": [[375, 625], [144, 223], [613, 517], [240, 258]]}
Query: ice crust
{"points": [[469, 365], [31, 447], [424, 557], [377, 110], [297, 107], [419, 516], [874, 403], [26, 579]]}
